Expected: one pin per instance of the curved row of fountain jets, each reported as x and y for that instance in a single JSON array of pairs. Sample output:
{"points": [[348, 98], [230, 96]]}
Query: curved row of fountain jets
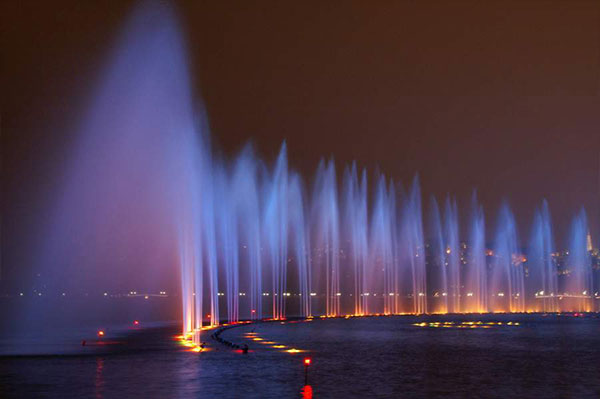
{"points": [[241, 226], [262, 231]]}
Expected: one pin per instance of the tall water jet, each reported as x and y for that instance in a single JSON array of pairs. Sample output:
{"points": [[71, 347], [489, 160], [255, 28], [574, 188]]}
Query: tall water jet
{"points": [[394, 274], [381, 248], [300, 242], [326, 224], [412, 244], [227, 229], [578, 280], [542, 283], [209, 239], [437, 277], [476, 292], [453, 259], [506, 282], [124, 212], [245, 192], [276, 231], [355, 229]]}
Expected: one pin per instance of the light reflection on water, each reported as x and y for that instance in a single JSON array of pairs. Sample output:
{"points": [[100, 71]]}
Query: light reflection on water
{"points": [[99, 381], [360, 357]]}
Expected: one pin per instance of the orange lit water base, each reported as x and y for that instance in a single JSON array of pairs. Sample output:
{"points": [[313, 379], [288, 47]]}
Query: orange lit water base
{"points": [[191, 341]]}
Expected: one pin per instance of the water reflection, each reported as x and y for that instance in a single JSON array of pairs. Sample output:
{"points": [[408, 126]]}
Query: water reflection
{"points": [[188, 371], [99, 381], [465, 324], [306, 392]]}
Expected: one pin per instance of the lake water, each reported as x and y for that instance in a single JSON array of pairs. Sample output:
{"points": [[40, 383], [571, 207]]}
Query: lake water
{"points": [[402, 356]]}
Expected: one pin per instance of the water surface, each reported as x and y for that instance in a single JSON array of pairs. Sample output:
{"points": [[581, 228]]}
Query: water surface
{"points": [[404, 356]]}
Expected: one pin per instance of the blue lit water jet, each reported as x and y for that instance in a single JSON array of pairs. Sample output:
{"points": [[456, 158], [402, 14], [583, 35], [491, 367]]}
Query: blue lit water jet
{"points": [[437, 269], [506, 282], [543, 278], [354, 222], [453, 260], [578, 282], [476, 281], [325, 222]]}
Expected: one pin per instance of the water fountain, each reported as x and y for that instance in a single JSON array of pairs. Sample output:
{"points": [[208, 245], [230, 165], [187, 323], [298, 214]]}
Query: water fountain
{"points": [[577, 293], [255, 240], [543, 281], [506, 282], [451, 236], [476, 268]]}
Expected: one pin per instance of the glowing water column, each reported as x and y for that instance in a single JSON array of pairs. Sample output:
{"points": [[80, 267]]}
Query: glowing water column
{"points": [[476, 295], [578, 286], [228, 235], [300, 241], [452, 255], [355, 229], [542, 284], [327, 243], [244, 192], [437, 265], [507, 284], [382, 245], [412, 243], [276, 231]]}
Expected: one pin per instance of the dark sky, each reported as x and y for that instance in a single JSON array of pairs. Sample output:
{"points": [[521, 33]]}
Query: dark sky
{"points": [[499, 96]]}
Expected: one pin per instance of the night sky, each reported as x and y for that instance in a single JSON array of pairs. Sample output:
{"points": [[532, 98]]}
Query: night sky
{"points": [[499, 96]]}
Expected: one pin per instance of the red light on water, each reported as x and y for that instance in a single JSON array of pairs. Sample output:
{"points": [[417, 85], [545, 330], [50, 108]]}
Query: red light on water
{"points": [[307, 361], [100, 333], [307, 392]]}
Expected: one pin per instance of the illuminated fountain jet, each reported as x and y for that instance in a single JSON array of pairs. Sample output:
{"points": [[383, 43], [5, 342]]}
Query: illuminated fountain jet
{"points": [[476, 282], [543, 278], [577, 285], [507, 285]]}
